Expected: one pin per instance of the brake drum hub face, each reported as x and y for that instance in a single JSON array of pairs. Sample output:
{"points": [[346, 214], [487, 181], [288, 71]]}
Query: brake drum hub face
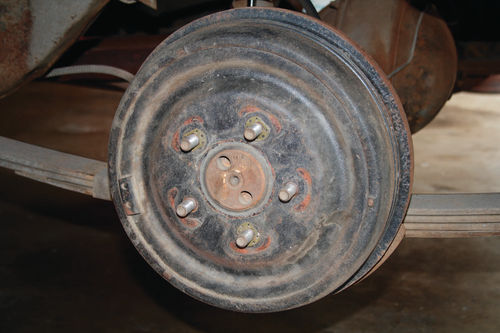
{"points": [[259, 161], [235, 178]]}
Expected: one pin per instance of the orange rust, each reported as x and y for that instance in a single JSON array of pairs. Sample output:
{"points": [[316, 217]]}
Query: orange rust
{"points": [[237, 249], [303, 205], [171, 194], [248, 173], [275, 122], [175, 141], [193, 120], [253, 109], [265, 245], [127, 209], [176, 137], [248, 109], [189, 222], [307, 178]]}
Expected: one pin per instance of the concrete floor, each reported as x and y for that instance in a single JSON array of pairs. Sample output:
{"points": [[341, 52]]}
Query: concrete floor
{"points": [[66, 264]]}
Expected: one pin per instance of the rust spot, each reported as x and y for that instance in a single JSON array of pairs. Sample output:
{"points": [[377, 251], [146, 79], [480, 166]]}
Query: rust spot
{"points": [[190, 222], [193, 120], [265, 245], [15, 34], [307, 178], [235, 179], [370, 202], [176, 137], [172, 194], [248, 109], [233, 246], [19, 62], [128, 208], [253, 109], [175, 141], [275, 122]]}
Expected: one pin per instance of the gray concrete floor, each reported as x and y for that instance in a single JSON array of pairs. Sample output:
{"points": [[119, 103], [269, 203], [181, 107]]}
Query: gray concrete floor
{"points": [[66, 264]]}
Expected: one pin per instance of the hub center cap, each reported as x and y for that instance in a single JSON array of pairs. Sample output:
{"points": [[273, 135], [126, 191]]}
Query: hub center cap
{"points": [[236, 178]]}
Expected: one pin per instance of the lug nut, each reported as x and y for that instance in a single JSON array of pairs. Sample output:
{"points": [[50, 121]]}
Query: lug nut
{"points": [[245, 238], [253, 131], [186, 207], [288, 192], [189, 142]]}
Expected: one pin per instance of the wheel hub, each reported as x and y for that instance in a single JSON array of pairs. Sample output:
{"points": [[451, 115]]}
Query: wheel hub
{"points": [[236, 178]]}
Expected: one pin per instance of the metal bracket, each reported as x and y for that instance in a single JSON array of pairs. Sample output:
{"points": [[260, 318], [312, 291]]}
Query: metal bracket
{"points": [[128, 200]]}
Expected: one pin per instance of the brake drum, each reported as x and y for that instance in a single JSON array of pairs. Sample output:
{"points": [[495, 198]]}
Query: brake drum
{"points": [[260, 161]]}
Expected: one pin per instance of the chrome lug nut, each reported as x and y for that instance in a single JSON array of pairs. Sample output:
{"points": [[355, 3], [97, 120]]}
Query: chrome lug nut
{"points": [[245, 238], [253, 131], [288, 192], [186, 207], [189, 142]]}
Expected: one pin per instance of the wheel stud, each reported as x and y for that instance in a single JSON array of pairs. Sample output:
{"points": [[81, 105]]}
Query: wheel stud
{"points": [[245, 238], [288, 192], [253, 131], [189, 142], [186, 207]]}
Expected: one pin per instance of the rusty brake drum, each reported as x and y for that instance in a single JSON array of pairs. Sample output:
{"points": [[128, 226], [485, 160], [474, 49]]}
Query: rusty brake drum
{"points": [[259, 160]]}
